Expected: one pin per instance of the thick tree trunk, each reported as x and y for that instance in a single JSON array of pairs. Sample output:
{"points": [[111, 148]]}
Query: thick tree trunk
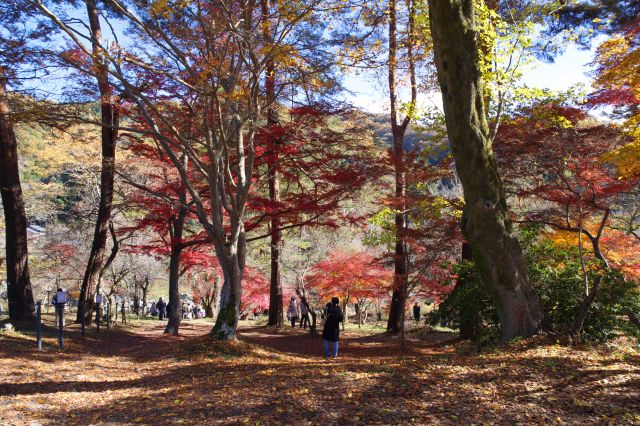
{"points": [[276, 309], [20, 295], [108, 140], [486, 223], [229, 310]]}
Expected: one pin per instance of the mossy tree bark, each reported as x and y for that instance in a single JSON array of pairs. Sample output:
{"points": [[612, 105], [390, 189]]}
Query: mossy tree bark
{"points": [[229, 313], [486, 223]]}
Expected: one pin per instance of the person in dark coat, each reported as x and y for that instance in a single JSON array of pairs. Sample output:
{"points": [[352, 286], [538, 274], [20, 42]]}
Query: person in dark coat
{"points": [[304, 315], [161, 306], [416, 312], [331, 332]]}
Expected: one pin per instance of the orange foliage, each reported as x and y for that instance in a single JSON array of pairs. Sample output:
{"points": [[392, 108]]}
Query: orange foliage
{"points": [[350, 275]]}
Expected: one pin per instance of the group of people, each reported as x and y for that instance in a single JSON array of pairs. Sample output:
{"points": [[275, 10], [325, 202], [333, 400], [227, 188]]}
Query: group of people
{"points": [[298, 310], [162, 310], [331, 318]]}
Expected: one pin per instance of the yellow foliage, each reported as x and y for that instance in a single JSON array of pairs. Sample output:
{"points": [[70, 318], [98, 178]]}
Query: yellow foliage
{"points": [[620, 250], [627, 158], [618, 61], [47, 152]]}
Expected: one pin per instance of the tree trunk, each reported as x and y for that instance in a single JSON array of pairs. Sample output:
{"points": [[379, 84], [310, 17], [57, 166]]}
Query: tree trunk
{"points": [[469, 321], [313, 328], [136, 298], [486, 223], [108, 138], [229, 311], [144, 295], [20, 295], [175, 316], [401, 257], [345, 316], [276, 309], [177, 226], [578, 321], [215, 301]]}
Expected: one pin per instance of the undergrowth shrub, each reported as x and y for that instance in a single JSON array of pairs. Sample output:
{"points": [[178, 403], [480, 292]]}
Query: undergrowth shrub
{"points": [[556, 274]]}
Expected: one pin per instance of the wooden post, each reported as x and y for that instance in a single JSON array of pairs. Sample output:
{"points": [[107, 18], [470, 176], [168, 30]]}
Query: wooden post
{"points": [[60, 311], [81, 308], [39, 324]]}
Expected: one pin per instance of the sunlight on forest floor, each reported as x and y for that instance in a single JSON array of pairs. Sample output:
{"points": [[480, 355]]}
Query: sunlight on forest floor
{"points": [[136, 375]]}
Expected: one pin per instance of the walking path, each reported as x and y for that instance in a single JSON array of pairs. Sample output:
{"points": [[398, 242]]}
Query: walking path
{"points": [[140, 376]]}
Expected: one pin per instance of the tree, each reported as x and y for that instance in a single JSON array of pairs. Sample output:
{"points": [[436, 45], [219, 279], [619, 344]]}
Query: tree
{"points": [[351, 276], [486, 224], [205, 288], [617, 84], [276, 311], [398, 130], [217, 63], [257, 295], [109, 134], [582, 20], [162, 195], [17, 39], [21, 305], [324, 159], [302, 74], [552, 158]]}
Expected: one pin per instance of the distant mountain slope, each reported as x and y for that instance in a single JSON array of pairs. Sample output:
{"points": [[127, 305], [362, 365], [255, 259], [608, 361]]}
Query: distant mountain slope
{"points": [[381, 124]]}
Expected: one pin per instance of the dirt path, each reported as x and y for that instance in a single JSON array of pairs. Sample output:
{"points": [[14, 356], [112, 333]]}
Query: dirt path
{"points": [[140, 376]]}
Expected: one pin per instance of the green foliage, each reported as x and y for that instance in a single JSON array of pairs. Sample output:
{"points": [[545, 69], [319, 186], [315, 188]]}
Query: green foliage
{"points": [[382, 229], [470, 298], [556, 275]]}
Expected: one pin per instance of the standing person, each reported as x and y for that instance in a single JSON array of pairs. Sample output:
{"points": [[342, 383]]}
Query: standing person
{"points": [[59, 300], [123, 312], [331, 331], [304, 315], [416, 312], [162, 309], [292, 312]]}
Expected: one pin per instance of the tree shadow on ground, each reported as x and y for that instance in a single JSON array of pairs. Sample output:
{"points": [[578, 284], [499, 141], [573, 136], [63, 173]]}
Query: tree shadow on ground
{"points": [[351, 345], [279, 378], [422, 390]]}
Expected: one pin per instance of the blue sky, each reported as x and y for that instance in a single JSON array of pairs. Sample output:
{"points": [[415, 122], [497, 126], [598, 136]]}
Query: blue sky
{"points": [[570, 68]]}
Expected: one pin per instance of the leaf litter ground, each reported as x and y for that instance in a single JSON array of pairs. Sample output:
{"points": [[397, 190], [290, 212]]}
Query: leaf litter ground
{"points": [[136, 375]]}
